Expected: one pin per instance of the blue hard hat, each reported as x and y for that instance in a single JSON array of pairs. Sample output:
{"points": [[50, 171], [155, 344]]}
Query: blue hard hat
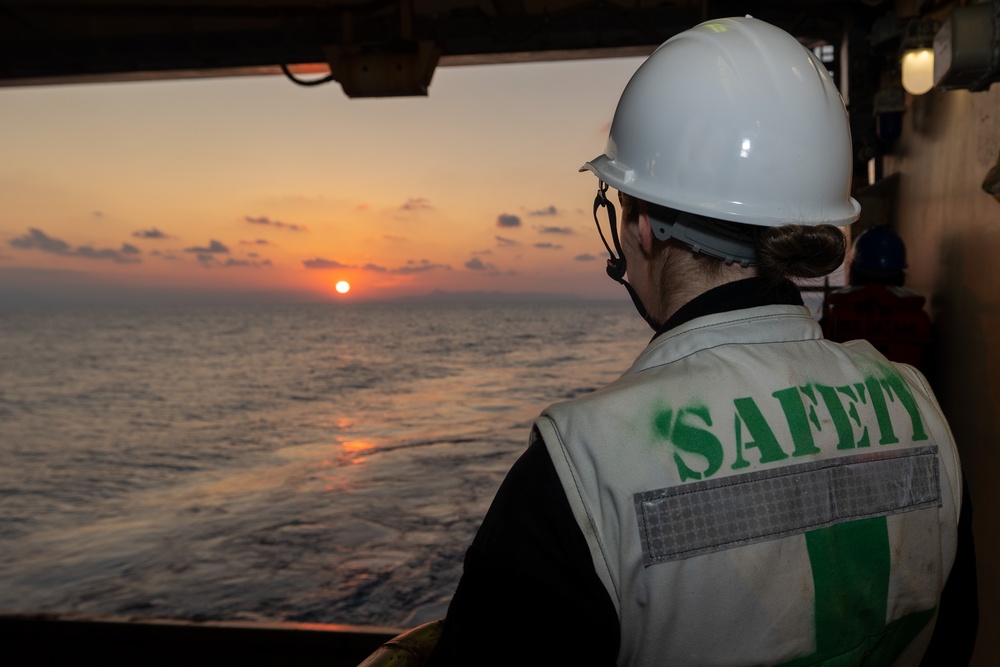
{"points": [[879, 249]]}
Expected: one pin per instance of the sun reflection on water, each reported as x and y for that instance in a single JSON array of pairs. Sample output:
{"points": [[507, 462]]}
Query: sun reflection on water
{"points": [[354, 447]]}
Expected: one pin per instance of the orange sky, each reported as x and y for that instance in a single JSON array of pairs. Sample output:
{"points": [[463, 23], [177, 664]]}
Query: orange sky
{"points": [[185, 189]]}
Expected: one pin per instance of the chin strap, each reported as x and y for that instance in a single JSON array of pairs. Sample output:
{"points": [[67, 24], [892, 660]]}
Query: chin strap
{"points": [[616, 263]]}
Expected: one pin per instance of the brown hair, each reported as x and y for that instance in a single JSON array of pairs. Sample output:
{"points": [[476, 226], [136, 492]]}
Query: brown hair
{"points": [[799, 251], [788, 251]]}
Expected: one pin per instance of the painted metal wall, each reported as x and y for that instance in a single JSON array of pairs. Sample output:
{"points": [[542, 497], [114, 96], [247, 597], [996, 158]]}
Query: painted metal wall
{"points": [[950, 142]]}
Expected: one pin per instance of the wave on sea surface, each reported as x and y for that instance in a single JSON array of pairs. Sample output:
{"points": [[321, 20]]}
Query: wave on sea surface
{"points": [[301, 463]]}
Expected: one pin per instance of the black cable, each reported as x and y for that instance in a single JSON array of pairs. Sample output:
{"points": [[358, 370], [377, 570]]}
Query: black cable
{"points": [[301, 82]]}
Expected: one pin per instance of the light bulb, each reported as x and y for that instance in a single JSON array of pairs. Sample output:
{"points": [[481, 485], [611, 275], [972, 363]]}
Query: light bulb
{"points": [[918, 71]]}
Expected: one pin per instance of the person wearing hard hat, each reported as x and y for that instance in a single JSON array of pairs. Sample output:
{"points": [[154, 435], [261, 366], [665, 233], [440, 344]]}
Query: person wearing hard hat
{"points": [[876, 306], [879, 256], [748, 492]]}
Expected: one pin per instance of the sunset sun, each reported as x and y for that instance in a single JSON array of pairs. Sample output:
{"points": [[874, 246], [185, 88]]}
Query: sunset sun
{"points": [[343, 287]]}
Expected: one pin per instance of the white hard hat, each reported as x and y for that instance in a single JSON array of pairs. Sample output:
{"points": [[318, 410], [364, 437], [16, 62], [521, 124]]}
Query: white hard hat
{"points": [[734, 120]]}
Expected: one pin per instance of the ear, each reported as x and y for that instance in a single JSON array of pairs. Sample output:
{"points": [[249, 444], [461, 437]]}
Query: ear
{"points": [[645, 232]]}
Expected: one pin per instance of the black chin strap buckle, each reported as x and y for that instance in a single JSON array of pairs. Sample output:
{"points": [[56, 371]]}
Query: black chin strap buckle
{"points": [[616, 263]]}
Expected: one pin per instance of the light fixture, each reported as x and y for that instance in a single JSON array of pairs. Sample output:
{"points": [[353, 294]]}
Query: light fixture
{"points": [[918, 71], [404, 69], [967, 48], [917, 56]]}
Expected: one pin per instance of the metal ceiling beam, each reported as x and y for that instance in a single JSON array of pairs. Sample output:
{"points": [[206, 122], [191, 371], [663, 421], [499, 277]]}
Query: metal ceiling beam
{"points": [[59, 41]]}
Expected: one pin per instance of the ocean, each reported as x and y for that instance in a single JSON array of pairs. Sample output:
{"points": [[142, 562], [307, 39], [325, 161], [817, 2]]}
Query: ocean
{"points": [[309, 463]]}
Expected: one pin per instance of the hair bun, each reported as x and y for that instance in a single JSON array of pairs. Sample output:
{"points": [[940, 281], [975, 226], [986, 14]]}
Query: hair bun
{"points": [[799, 251]]}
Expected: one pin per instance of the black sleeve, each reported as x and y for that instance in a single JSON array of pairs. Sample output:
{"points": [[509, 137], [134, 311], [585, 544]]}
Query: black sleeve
{"points": [[529, 592], [954, 635]]}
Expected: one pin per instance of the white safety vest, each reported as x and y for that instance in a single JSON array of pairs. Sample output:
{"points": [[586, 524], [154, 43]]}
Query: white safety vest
{"points": [[753, 494]]}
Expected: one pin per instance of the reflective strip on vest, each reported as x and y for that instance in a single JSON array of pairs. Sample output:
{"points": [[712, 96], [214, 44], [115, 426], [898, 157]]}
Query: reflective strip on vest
{"points": [[699, 518]]}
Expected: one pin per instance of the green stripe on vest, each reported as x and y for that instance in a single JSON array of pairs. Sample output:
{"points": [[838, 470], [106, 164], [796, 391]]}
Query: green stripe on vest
{"points": [[850, 568]]}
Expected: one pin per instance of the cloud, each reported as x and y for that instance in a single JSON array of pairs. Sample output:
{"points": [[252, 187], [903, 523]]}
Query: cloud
{"points": [[151, 233], [214, 247], [119, 256], [555, 230], [210, 261], [476, 264], [416, 204], [206, 256], [411, 266], [419, 267], [550, 210], [264, 220], [36, 239], [253, 263], [548, 246], [256, 242], [506, 243], [507, 220], [585, 257], [320, 263]]}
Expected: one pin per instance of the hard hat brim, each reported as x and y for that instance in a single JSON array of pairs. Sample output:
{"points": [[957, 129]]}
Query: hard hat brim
{"points": [[615, 175]]}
